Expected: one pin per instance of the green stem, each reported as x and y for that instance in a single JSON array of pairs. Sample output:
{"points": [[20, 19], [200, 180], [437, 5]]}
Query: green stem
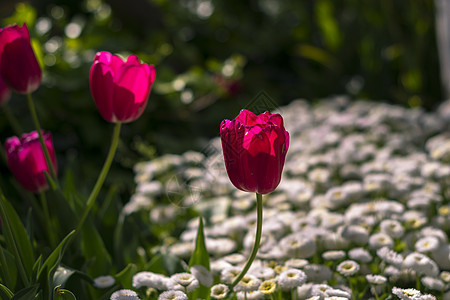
{"points": [[5, 270], [3, 153], [12, 120], [354, 292], [259, 207], [50, 232], [41, 138], [101, 178], [376, 292], [7, 231]]}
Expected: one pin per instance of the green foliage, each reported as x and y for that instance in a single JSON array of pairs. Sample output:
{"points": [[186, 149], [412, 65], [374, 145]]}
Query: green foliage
{"points": [[200, 257]]}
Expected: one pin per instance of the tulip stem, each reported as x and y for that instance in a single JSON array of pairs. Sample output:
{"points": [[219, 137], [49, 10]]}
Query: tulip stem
{"points": [[3, 153], [259, 221], [50, 232], [12, 120], [101, 178], [41, 138]]}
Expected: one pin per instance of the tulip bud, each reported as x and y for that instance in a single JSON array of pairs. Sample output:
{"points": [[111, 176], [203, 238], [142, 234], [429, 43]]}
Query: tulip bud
{"points": [[18, 64], [27, 161], [254, 149], [120, 89]]}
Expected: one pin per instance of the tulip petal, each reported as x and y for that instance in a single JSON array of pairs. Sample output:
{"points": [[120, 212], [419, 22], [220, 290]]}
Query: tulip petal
{"points": [[101, 82], [131, 92], [18, 64], [246, 117]]}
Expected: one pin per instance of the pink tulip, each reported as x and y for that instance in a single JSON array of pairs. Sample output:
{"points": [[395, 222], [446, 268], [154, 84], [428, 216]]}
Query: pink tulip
{"points": [[27, 161], [120, 89], [254, 149], [18, 64]]}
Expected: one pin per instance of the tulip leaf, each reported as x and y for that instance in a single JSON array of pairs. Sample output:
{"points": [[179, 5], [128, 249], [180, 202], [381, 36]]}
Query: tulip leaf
{"points": [[94, 248], [63, 273], [36, 267], [27, 293], [8, 270], [62, 212], [62, 294], [118, 243], [125, 277], [200, 257], [17, 240], [48, 269], [4, 291]]}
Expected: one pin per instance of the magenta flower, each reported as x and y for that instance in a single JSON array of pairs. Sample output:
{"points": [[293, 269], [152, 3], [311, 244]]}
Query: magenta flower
{"points": [[254, 149], [120, 89], [18, 64], [27, 161]]}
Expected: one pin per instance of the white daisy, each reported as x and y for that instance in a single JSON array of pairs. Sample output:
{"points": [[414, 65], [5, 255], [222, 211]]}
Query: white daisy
{"points": [[390, 256], [291, 278], [202, 274], [348, 268], [248, 283], [333, 255], [376, 279], [268, 287], [432, 283], [421, 263], [173, 295], [125, 295], [427, 244], [393, 228], [219, 291], [104, 282], [379, 240], [150, 280], [360, 255]]}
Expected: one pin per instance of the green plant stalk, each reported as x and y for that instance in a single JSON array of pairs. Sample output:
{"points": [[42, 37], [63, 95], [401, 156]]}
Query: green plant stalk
{"points": [[3, 154], [5, 270], [19, 262], [352, 287], [101, 178], [259, 221], [376, 293], [41, 138], [12, 120], [50, 232]]}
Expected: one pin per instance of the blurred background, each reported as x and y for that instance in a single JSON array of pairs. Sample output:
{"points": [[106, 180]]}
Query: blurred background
{"points": [[212, 58]]}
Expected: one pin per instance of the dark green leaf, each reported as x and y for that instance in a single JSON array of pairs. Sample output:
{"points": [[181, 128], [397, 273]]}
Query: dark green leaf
{"points": [[63, 273], [45, 274], [17, 240], [94, 248], [200, 257], [5, 291], [27, 293], [125, 277]]}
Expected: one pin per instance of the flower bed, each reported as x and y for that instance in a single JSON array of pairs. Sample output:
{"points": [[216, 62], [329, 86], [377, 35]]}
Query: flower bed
{"points": [[362, 210]]}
